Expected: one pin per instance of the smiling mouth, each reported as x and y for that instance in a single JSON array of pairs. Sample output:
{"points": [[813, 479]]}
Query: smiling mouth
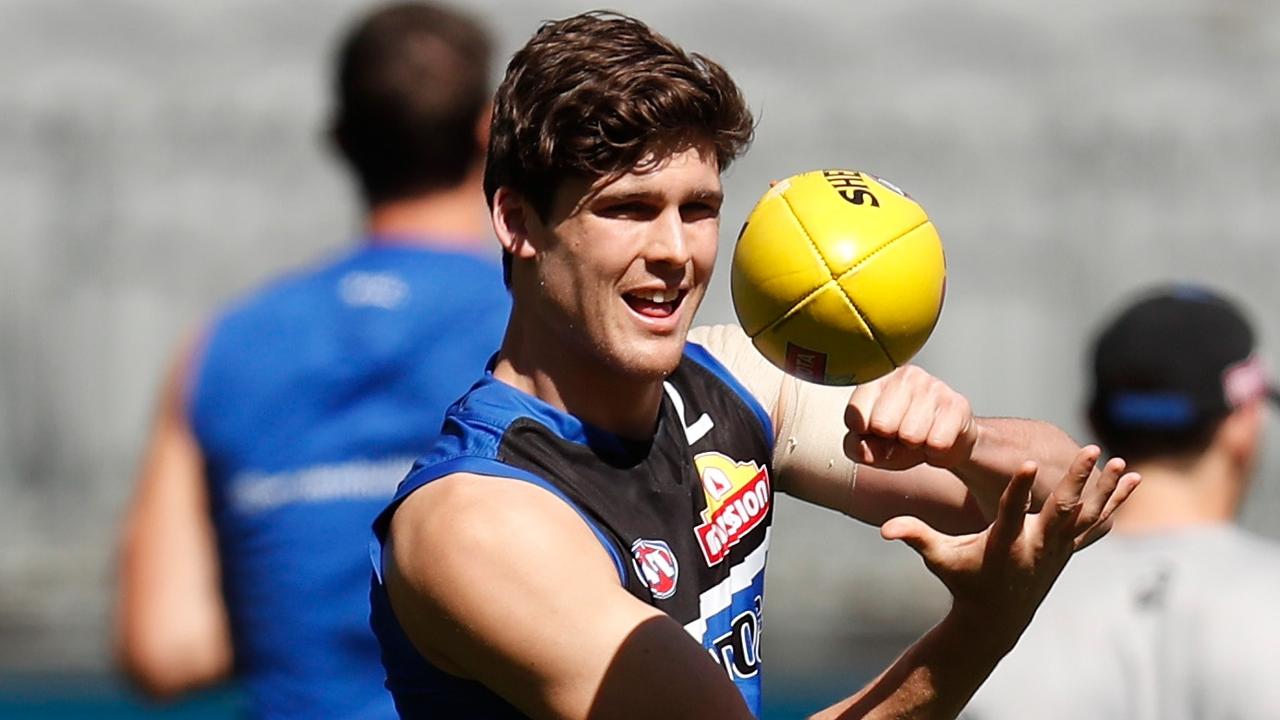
{"points": [[655, 303]]}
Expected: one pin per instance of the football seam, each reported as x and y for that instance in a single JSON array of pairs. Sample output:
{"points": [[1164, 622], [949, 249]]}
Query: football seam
{"points": [[875, 334], [807, 236], [878, 250], [795, 307], [858, 310], [835, 280]]}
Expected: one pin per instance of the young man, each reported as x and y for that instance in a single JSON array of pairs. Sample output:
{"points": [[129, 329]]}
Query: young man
{"points": [[588, 537], [1174, 617], [285, 427]]}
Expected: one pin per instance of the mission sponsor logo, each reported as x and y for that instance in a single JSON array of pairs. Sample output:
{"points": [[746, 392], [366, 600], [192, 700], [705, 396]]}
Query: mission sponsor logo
{"points": [[657, 565], [738, 498]]}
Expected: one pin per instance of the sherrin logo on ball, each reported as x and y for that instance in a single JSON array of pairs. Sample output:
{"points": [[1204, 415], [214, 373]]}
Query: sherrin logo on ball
{"points": [[838, 276]]}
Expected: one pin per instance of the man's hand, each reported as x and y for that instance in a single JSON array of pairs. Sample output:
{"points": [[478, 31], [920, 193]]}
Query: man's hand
{"points": [[906, 418], [999, 576]]}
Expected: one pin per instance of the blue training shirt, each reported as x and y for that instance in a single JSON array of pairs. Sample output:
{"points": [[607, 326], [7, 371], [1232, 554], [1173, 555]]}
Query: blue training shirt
{"points": [[310, 401]]}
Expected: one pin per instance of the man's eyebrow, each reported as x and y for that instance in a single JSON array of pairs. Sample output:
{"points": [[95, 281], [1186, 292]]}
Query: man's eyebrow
{"points": [[626, 196], [714, 195]]}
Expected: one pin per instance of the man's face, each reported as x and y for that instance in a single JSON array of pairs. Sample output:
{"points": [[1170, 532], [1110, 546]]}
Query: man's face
{"points": [[624, 263]]}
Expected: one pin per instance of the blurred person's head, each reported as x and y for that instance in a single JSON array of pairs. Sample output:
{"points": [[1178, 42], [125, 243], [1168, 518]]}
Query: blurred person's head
{"points": [[599, 94], [412, 96], [1176, 372]]}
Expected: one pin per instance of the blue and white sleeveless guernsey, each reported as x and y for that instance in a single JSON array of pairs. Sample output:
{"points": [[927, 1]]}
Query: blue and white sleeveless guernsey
{"points": [[310, 401], [685, 518]]}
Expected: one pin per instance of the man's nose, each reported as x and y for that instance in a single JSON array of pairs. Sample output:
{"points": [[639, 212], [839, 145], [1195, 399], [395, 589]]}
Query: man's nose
{"points": [[669, 242]]}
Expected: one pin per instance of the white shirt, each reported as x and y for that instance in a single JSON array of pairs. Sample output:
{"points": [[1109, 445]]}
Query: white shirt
{"points": [[1181, 625]]}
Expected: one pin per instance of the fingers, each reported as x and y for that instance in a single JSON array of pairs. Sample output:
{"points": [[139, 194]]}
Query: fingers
{"points": [[915, 533], [1062, 508], [857, 415], [1125, 485], [859, 443], [869, 450], [1097, 496], [1093, 534], [915, 410], [949, 427], [917, 422], [891, 407], [1012, 512]]}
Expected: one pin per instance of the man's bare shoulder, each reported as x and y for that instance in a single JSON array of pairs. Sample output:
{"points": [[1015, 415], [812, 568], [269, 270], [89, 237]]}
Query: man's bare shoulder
{"points": [[463, 521], [494, 579]]}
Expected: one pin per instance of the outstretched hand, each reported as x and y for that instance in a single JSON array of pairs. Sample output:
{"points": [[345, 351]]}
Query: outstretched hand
{"points": [[1000, 575]]}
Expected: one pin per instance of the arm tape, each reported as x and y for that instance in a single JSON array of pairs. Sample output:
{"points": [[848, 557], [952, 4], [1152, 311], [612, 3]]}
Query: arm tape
{"points": [[808, 456]]}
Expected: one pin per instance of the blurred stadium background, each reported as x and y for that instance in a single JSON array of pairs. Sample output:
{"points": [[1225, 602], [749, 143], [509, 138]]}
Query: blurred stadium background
{"points": [[159, 157]]}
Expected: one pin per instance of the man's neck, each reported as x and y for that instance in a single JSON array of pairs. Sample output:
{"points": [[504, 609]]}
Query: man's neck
{"points": [[579, 385], [452, 217], [1181, 494]]}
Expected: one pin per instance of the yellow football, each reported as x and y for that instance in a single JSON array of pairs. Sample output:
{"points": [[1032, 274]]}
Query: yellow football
{"points": [[838, 276]]}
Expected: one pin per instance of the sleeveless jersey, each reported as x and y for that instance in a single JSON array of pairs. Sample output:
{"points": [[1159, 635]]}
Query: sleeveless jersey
{"points": [[309, 402], [685, 518]]}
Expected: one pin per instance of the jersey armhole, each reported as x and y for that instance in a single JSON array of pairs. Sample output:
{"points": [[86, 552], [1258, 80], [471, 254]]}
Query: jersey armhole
{"points": [[480, 466], [703, 357], [195, 359]]}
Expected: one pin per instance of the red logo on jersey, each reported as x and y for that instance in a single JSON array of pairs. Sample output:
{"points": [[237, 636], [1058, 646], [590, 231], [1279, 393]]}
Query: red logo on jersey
{"points": [[657, 565], [738, 499]]}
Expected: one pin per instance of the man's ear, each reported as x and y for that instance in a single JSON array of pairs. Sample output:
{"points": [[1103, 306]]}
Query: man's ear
{"points": [[1242, 430], [512, 217]]}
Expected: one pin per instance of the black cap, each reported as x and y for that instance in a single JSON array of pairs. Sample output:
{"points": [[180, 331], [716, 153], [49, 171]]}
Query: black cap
{"points": [[1175, 360]]}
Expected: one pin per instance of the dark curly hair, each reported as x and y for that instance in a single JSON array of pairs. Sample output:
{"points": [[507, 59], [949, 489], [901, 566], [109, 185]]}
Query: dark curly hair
{"points": [[591, 95]]}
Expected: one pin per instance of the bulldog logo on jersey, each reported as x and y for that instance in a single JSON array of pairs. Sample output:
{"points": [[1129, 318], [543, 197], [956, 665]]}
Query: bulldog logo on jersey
{"points": [[657, 565], [738, 497]]}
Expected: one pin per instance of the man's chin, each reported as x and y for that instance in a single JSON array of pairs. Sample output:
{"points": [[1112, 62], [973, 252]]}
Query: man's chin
{"points": [[656, 358]]}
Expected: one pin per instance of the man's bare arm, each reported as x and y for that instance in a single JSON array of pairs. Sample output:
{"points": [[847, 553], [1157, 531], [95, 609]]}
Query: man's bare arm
{"points": [[499, 581], [824, 461], [171, 624]]}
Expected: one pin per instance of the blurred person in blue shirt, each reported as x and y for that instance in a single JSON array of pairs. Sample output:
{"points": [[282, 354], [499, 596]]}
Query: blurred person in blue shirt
{"points": [[286, 423]]}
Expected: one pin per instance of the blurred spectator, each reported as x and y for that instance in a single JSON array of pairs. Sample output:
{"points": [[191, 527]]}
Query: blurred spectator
{"points": [[287, 423], [1186, 600]]}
